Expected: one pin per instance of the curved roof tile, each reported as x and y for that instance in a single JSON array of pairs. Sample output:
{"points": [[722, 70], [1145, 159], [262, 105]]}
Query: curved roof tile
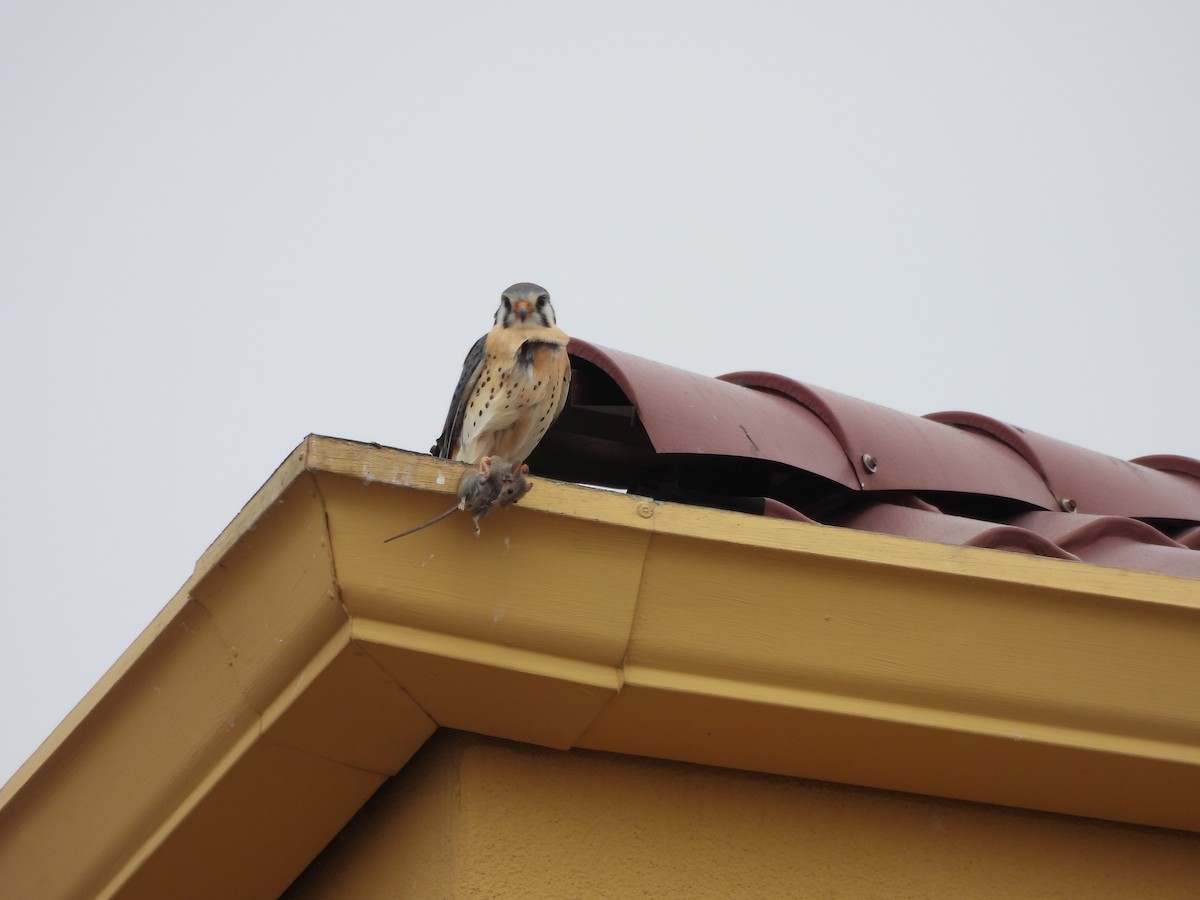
{"points": [[1180, 465], [1114, 541], [1088, 481], [909, 453], [775, 510], [683, 412], [926, 525], [956, 459]]}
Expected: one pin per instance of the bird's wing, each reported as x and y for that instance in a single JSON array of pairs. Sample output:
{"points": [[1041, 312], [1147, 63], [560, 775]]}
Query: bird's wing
{"points": [[566, 389], [472, 365]]}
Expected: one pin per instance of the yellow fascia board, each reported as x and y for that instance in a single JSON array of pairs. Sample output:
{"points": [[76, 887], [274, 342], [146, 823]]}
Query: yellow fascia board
{"points": [[813, 651], [305, 661]]}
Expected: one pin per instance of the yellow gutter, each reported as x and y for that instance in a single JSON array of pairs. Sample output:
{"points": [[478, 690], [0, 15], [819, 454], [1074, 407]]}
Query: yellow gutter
{"points": [[305, 661]]}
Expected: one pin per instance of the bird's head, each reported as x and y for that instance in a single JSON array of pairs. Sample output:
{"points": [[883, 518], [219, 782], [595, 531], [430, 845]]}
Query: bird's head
{"points": [[525, 305]]}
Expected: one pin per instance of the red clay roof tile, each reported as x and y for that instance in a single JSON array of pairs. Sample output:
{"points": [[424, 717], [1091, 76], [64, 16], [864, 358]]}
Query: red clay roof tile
{"points": [[765, 443], [688, 413], [908, 453], [1090, 482], [927, 525], [1114, 541]]}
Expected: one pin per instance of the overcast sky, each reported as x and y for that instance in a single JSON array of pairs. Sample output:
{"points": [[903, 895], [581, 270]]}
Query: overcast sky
{"points": [[224, 226]]}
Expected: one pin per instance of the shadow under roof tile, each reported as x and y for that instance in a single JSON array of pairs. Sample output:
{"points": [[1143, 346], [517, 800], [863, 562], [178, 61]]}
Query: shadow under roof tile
{"points": [[1189, 537]]}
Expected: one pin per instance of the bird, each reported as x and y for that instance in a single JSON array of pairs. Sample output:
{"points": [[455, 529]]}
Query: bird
{"points": [[513, 385]]}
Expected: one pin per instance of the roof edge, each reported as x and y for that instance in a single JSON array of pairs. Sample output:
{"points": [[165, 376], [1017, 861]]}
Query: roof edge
{"points": [[637, 627], [284, 475]]}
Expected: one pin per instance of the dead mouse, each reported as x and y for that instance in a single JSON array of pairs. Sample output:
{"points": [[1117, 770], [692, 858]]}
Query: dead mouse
{"points": [[494, 483], [513, 483]]}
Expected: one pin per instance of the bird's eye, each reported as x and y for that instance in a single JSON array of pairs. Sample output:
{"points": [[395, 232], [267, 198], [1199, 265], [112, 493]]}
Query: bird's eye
{"points": [[542, 300]]}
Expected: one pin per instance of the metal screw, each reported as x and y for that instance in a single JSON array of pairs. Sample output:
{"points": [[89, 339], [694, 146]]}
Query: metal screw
{"points": [[870, 463], [1067, 504]]}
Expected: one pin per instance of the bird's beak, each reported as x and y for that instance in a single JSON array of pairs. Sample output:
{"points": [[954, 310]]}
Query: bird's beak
{"points": [[522, 309]]}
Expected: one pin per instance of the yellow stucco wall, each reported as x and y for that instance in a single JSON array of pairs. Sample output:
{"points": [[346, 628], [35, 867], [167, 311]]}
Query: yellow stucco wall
{"points": [[474, 817]]}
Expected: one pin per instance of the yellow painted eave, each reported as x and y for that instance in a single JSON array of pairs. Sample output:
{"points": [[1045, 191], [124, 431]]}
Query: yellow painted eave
{"points": [[305, 661]]}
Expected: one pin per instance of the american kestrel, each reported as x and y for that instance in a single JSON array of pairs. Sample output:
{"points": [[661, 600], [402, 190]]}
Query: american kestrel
{"points": [[514, 383]]}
